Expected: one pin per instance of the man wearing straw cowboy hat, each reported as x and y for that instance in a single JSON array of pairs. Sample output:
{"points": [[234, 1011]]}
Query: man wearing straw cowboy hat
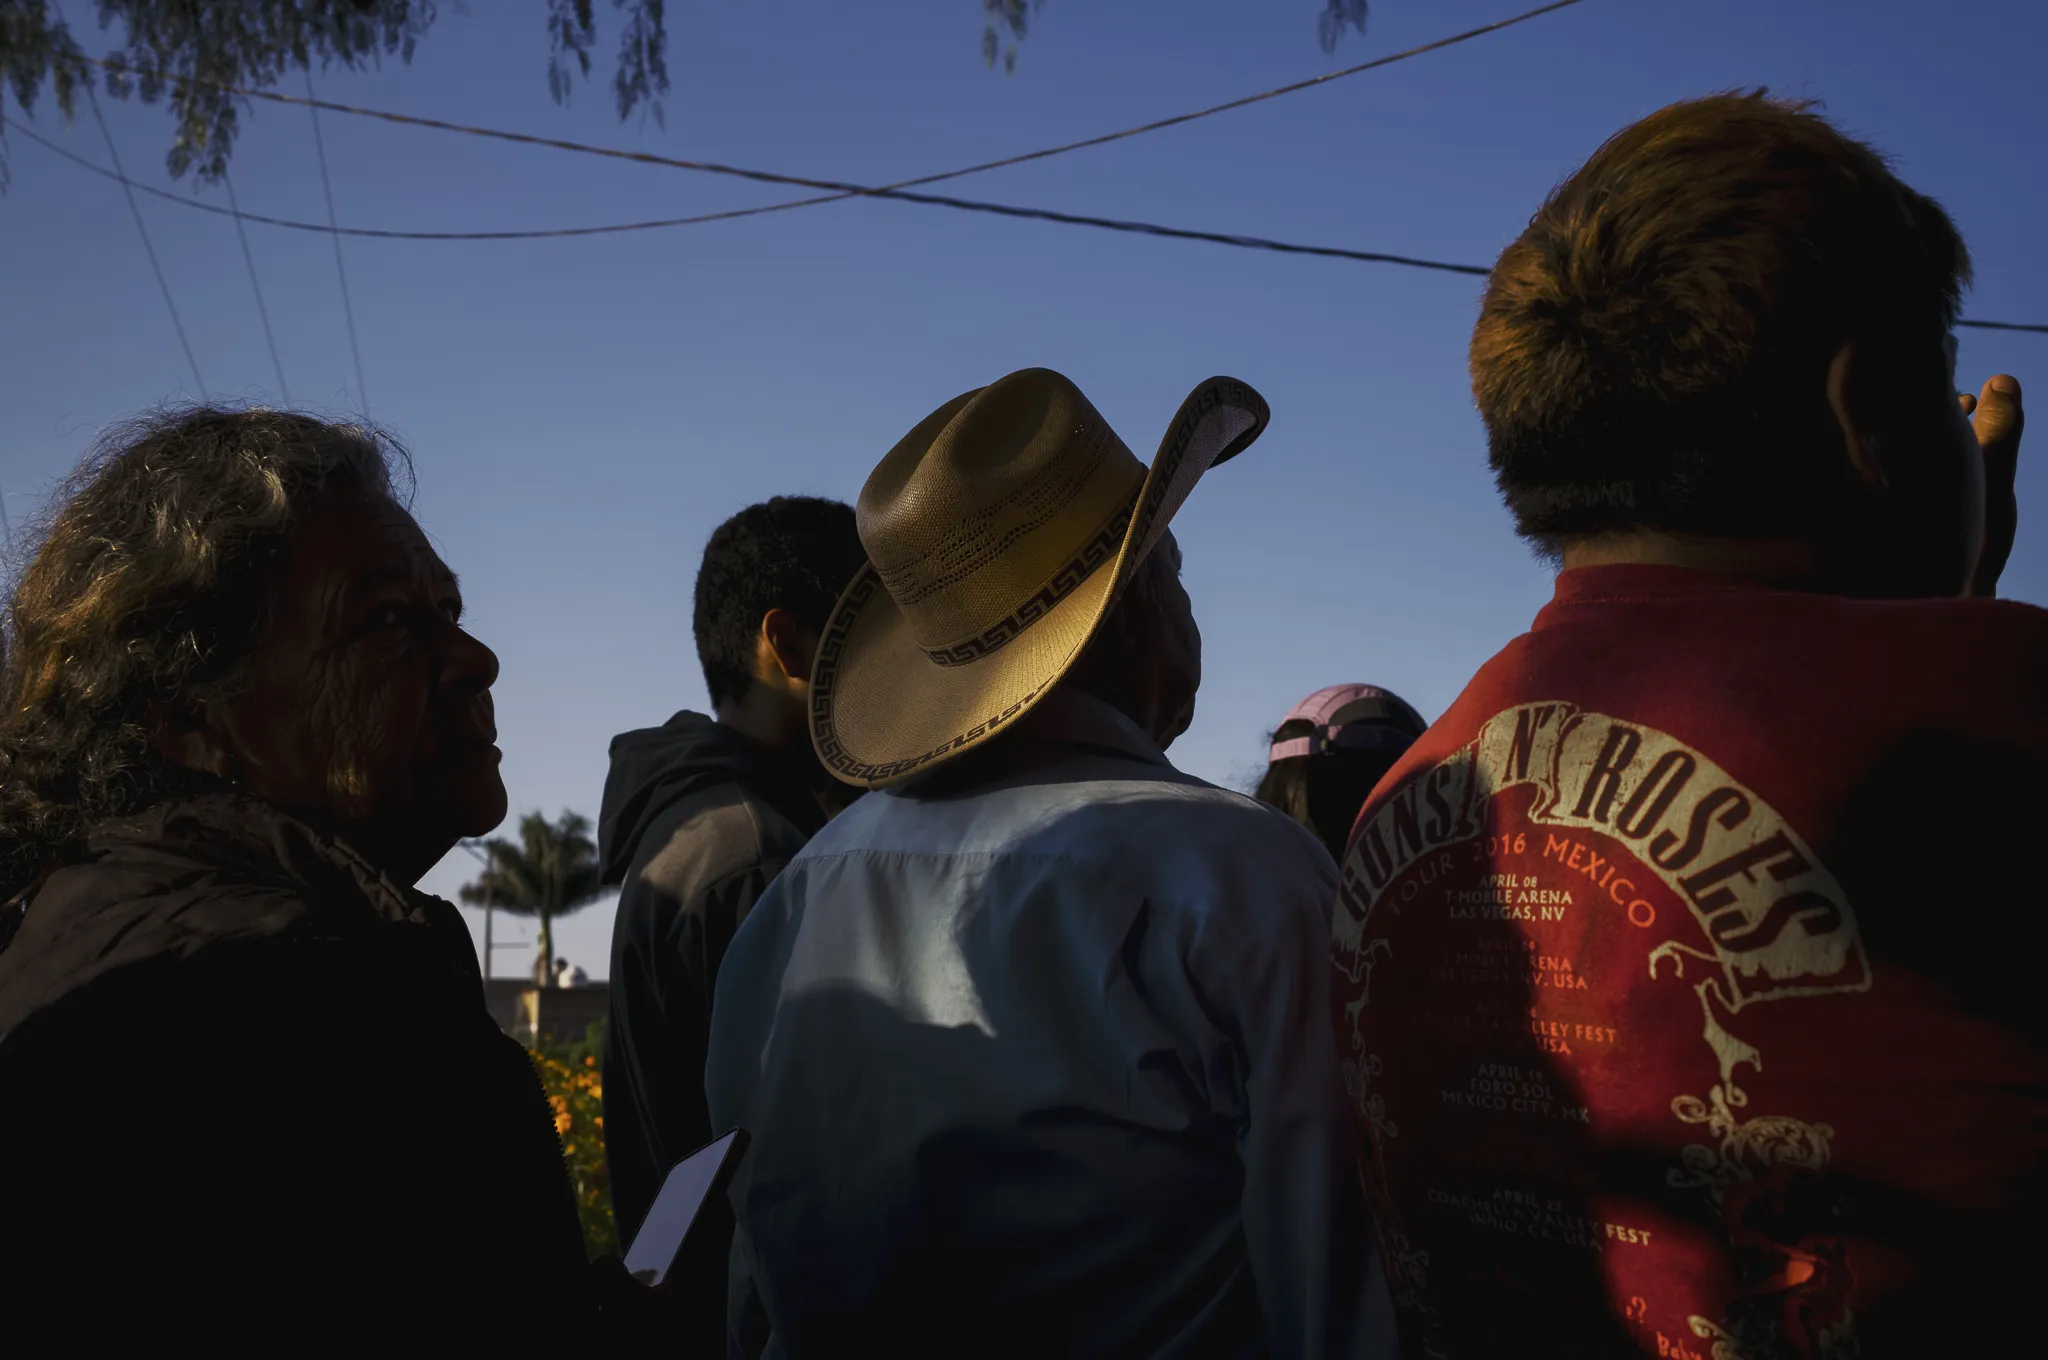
{"points": [[1033, 1044]]}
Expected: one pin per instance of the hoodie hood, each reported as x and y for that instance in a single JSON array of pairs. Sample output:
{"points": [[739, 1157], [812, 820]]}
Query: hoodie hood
{"points": [[654, 768]]}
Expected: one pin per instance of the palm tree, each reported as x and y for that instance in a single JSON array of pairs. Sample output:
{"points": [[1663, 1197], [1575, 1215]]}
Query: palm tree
{"points": [[550, 871]]}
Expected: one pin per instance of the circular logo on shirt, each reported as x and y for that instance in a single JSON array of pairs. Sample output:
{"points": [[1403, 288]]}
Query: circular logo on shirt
{"points": [[1594, 924]]}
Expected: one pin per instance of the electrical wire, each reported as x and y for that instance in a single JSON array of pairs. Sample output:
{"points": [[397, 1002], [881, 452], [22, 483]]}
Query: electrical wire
{"points": [[148, 249], [938, 200], [2005, 326], [971, 205], [262, 312], [348, 310], [1225, 107], [839, 191], [842, 191], [391, 235]]}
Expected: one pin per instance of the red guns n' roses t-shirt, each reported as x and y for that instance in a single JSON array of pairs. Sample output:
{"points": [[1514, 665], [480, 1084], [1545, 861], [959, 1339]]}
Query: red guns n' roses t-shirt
{"points": [[1691, 981]]}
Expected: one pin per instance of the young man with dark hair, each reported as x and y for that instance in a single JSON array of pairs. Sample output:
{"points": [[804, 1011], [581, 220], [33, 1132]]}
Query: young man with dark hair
{"points": [[699, 815], [1686, 965]]}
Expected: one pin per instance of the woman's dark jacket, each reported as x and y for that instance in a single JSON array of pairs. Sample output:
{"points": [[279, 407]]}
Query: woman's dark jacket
{"points": [[247, 1083]]}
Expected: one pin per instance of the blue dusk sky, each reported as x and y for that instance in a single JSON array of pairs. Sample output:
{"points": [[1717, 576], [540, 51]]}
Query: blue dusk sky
{"points": [[582, 412]]}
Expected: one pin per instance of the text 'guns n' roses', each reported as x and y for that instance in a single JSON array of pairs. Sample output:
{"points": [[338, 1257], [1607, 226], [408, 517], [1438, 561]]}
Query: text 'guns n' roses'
{"points": [[1774, 921]]}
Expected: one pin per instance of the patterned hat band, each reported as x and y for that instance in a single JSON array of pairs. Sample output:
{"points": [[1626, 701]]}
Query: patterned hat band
{"points": [[1012, 511], [1097, 552]]}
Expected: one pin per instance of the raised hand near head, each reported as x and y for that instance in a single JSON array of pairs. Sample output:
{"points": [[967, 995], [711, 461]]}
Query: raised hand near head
{"points": [[1998, 417]]}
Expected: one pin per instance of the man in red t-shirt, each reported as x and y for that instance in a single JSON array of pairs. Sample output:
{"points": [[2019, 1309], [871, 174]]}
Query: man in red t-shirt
{"points": [[1690, 968]]}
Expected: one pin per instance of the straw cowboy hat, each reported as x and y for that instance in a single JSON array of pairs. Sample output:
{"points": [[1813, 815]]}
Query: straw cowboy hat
{"points": [[998, 533]]}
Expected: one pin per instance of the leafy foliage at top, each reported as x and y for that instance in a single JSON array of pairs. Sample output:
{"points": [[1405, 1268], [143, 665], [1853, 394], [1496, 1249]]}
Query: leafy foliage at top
{"points": [[642, 75], [1009, 19], [194, 53], [1337, 16], [1008, 22]]}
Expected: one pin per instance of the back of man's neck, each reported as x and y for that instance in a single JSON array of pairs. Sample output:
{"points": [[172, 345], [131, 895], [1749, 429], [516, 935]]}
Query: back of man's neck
{"points": [[766, 718], [1781, 563]]}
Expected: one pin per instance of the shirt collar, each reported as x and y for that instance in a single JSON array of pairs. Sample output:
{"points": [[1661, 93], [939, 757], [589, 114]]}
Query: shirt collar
{"points": [[1605, 584], [1073, 718]]}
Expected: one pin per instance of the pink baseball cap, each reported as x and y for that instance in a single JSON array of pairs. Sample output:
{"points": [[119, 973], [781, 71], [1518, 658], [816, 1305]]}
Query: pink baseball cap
{"points": [[1351, 718]]}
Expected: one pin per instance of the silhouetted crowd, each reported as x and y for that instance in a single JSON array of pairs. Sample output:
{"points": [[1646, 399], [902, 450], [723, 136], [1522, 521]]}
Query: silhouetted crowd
{"points": [[1671, 994]]}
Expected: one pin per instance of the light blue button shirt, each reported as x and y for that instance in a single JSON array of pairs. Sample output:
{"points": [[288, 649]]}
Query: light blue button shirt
{"points": [[1044, 1065]]}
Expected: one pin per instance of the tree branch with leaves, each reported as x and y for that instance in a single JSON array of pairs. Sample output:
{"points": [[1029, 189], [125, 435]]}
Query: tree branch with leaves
{"points": [[1007, 22], [193, 55]]}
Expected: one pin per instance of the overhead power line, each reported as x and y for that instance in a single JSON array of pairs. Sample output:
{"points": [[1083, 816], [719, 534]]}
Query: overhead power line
{"points": [[970, 205], [391, 235], [155, 266], [937, 200], [839, 191], [348, 310], [2005, 326], [1162, 123], [256, 285]]}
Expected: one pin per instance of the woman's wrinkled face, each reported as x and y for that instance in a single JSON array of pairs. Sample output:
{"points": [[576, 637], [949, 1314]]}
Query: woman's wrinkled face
{"points": [[365, 704]]}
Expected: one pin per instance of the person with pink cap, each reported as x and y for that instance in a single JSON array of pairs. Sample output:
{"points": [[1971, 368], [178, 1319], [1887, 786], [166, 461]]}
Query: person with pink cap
{"points": [[1329, 752]]}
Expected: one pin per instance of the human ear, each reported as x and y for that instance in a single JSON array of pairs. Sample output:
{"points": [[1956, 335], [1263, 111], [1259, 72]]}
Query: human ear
{"points": [[784, 647], [1858, 441], [191, 737]]}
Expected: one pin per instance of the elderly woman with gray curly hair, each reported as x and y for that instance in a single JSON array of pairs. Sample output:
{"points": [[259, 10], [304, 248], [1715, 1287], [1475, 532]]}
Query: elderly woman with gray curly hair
{"points": [[249, 1079]]}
